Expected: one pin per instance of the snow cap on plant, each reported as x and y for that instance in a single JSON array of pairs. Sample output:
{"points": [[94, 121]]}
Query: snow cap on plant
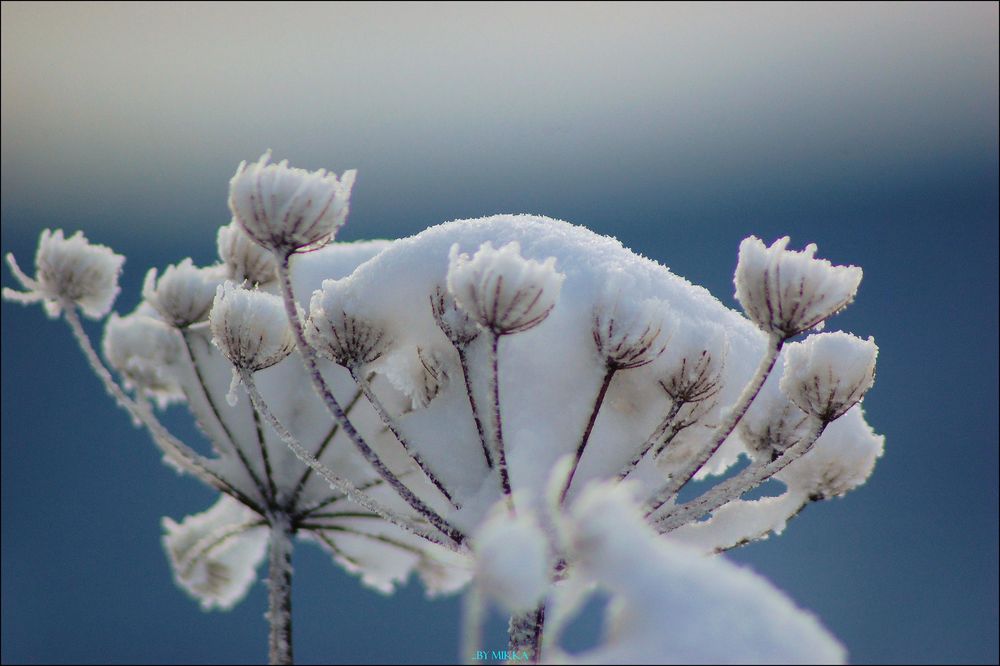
{"points": [[828, 373], [512, 559], [337, 332], [786, 292], [69, 270], [249, 327], [244, 259], [183, 295], [285, 209], [501, 290], [453, 321], [143, 349], [215, 554]]}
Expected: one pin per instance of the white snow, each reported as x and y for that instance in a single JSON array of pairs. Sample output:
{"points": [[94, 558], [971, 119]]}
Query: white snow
{"points": [[828, 373]]}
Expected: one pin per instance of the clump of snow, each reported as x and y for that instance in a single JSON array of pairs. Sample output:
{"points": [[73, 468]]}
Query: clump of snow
{"points": [[512, 560], [283, 208], [69, 269], [786, 292], [828, 373], [145, 351], [215, 554]]}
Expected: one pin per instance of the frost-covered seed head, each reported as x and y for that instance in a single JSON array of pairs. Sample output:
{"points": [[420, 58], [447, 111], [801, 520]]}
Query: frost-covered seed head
{"points": [[285, 209], [244, 259], [786, 292], [69, 269], [828, 373], [501, 290], [417, 373], [183, 295], [629, 335], [144, 349], [215, 554], [697, 378], [512, 560], [784, 426], [457, 326], [250, 328], [841, 460], [337, 333]]}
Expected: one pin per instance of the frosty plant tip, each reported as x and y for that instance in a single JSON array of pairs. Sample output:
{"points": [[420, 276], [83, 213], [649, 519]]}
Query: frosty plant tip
{"points": [[508, 406]]}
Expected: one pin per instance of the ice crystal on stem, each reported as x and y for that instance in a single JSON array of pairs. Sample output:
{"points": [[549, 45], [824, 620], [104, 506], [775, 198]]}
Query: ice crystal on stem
{"points": [[388, 428]]}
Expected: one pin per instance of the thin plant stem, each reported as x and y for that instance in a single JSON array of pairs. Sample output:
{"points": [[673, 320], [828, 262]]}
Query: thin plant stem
{"points": [[725, 428], [473, 606], [336, 481], [272, 491], [497, 421], [525, 634], [666, 429], [463, 360], [393, 427], [279, 590], [609, 374], [176, 451], [735, 487], [217, 414], [301, 484], [308, 356]]}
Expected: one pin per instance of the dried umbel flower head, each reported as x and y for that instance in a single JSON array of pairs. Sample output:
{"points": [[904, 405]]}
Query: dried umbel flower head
{"points": [[215, 554], [285, 209], [501, 290], [69, 270], [250, 328], [457, 326], [337, 332], [627, 334], [183, 295], [245, 260], [828, 373], [144, 349], [786, 292], [773, 425]]}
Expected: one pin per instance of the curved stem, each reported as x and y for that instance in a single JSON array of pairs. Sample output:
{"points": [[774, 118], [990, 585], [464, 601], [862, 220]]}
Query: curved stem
{"points": [[609, 374], [338, 482], [308, 356], [279, 590], [393, 427], [735, 487], [724, 429], [176, 451]]}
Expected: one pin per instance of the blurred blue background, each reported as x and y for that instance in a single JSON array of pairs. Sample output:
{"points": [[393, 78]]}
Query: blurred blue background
{"points": [[870, 129]]}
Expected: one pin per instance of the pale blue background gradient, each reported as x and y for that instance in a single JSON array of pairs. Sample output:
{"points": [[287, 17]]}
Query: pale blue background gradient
{"points": [[870, 129]]}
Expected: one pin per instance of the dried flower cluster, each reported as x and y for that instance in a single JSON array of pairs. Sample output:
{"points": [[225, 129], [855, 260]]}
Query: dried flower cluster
{"points": [[511, 401]]}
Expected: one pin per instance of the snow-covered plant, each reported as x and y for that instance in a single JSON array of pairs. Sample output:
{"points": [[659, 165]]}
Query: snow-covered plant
{"points": [[509, 405]]}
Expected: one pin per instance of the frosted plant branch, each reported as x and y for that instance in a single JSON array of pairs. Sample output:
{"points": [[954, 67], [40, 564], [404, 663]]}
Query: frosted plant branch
{"points": [[663, 433], [725, 428], [393, 427], [177, 451], [308, 356], [337, 482], [609, 374], [496, 420]]}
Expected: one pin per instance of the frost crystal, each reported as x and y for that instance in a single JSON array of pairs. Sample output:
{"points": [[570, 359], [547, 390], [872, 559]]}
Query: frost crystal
{"points": [[71, 270], [829, 373], [787, 292], [285, 209]]}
